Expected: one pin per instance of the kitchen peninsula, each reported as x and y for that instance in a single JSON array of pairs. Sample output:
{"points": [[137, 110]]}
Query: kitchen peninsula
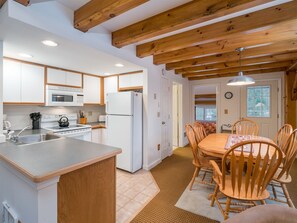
{"points": [[62, 180]]}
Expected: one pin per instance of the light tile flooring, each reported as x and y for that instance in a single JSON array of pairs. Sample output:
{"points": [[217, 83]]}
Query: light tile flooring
{"points": [[134, 191]]}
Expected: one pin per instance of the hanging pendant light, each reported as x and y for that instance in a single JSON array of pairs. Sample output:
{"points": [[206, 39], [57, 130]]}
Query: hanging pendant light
{"points": [[240, 79]]}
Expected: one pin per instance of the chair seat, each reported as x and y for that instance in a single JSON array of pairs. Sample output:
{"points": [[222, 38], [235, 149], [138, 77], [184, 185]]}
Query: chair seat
{"points": [[204, 161], [283, 179], [229, 192]]}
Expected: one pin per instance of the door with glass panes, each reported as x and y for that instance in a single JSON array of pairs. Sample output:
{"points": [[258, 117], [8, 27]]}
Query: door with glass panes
{"points": [[259, 102]]}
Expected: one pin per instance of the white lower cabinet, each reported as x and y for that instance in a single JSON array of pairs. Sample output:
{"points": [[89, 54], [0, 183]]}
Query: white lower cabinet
{"points": [[22, 83], [99, 135]]}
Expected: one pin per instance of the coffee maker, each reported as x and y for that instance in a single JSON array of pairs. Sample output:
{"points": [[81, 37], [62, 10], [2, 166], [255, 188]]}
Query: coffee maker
{"points": [[36, 116]]}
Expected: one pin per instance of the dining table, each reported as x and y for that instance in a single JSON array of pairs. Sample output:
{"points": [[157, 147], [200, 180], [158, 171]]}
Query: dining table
{"points": [[216, 144]]}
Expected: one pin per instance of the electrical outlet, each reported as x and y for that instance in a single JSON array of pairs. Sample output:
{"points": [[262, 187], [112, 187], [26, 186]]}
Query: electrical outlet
{"points": [[159, 147], [158, 114], [226, 111]]}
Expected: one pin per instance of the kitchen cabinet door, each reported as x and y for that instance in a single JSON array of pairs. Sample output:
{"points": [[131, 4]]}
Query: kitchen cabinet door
{"points": [[55, 76], [99, 135], [110, 86], [32, 84], [11, 81], [92, 90], [131, 81], [73, 79]]}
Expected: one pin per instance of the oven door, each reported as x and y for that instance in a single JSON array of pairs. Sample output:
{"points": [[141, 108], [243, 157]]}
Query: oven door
{"points": [[86, 135]]}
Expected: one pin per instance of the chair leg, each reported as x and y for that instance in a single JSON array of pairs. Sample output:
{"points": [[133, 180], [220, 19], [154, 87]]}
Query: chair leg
{"points": [[228, 202], [214, 195], [287, 195], [196, 172]]}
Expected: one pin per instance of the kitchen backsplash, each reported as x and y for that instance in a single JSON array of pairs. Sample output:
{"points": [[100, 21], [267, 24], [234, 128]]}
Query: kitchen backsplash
{"points": [[18, 115]]}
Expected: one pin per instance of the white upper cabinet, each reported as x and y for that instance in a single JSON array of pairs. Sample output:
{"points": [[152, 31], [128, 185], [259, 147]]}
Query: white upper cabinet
{"points": [[61, 77], [92, 89], [110, 86], [131, 80], [11, 81], [32, 87], [73, 79], [55, 76], [22, 83]]}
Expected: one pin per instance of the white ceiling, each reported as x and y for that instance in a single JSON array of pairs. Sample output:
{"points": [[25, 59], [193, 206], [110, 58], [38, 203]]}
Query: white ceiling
{"points": [[23, 38]]}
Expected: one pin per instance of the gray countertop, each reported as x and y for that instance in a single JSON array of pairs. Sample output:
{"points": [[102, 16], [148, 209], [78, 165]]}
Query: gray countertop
{"points": [[42, 161]]}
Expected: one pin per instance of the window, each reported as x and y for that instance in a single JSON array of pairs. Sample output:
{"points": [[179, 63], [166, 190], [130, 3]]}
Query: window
{"points": [[258, 101], [205, 113]]}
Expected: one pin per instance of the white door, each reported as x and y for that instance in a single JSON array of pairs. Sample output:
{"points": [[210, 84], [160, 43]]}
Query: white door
{"points": [[110, 86], [11, 81], [119, 134], [55, 76], [175, 118], [259, 102], [120, 103], [32, 90], [92, 94], [73, 79], [165, 117]]}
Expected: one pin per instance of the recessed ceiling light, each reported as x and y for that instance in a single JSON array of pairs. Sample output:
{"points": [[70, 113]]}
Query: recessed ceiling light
{"points": [[119, 65], [49, 43], [25, 55], [106, 73]]}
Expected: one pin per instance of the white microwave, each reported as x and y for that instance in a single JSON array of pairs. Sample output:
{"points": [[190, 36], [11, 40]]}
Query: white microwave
{"points": [[64, 96]]}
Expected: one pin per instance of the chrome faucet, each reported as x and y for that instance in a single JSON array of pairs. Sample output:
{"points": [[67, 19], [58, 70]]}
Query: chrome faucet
{"points": [[15, 138]]}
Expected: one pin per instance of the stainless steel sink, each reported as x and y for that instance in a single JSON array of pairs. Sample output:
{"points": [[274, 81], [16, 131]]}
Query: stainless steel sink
{"points": [[30, 139]]}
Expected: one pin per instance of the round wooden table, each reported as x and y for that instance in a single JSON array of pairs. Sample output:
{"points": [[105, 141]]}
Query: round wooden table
{"points": [[215, 144]]}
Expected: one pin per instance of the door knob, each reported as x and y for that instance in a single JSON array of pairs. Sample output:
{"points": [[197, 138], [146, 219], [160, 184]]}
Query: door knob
{"points": [[163, 123]]}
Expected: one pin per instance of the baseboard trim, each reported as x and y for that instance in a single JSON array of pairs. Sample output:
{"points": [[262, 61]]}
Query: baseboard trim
{"points": [[152, 165]]}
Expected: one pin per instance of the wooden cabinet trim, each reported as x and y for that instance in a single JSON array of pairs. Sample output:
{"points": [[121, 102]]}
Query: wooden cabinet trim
{"points": [[131, 88], [64, 85], [102, 91]]}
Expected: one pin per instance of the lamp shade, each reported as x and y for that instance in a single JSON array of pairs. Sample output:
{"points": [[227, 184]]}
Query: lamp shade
{"points": [[241, 80]]}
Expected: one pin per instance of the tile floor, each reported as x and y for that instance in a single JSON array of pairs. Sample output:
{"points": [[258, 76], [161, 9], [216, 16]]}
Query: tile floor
{"points": [[134, 191]]}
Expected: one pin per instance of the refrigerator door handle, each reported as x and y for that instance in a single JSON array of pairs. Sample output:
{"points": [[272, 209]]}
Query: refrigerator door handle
{"points": [[106, 122]]}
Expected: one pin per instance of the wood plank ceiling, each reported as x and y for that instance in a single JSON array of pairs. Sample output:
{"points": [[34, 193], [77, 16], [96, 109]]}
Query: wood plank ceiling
{"points": [[269, 36]]}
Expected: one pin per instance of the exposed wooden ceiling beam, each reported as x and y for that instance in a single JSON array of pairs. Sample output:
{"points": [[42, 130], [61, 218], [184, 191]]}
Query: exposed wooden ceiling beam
{"points": [[294, 65], [23, 2], [263, 71], [271, 50], [198, 96], [98, 11], [2, 2], [237, 69], [284, 31], [183, 16], [244, 62], [218, 31]]}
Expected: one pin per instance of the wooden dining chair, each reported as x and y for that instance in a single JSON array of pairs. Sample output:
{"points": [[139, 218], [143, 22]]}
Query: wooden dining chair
{"points": [[282, 136], [252, 164], [282, 176], [200, 132], [245, 127], [200, 161]]}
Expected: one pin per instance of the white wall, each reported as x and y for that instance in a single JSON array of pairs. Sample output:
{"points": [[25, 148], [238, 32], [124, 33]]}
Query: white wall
{"points": [[2, 138], [233, 105], [18, 115], [56, 18]]}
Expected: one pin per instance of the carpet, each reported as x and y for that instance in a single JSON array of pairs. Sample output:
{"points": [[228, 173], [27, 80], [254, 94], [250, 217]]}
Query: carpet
{"points": [[196, 201]]}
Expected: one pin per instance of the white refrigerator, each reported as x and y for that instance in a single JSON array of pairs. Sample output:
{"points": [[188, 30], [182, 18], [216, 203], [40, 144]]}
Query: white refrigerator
{"points": [[124, 128]]}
